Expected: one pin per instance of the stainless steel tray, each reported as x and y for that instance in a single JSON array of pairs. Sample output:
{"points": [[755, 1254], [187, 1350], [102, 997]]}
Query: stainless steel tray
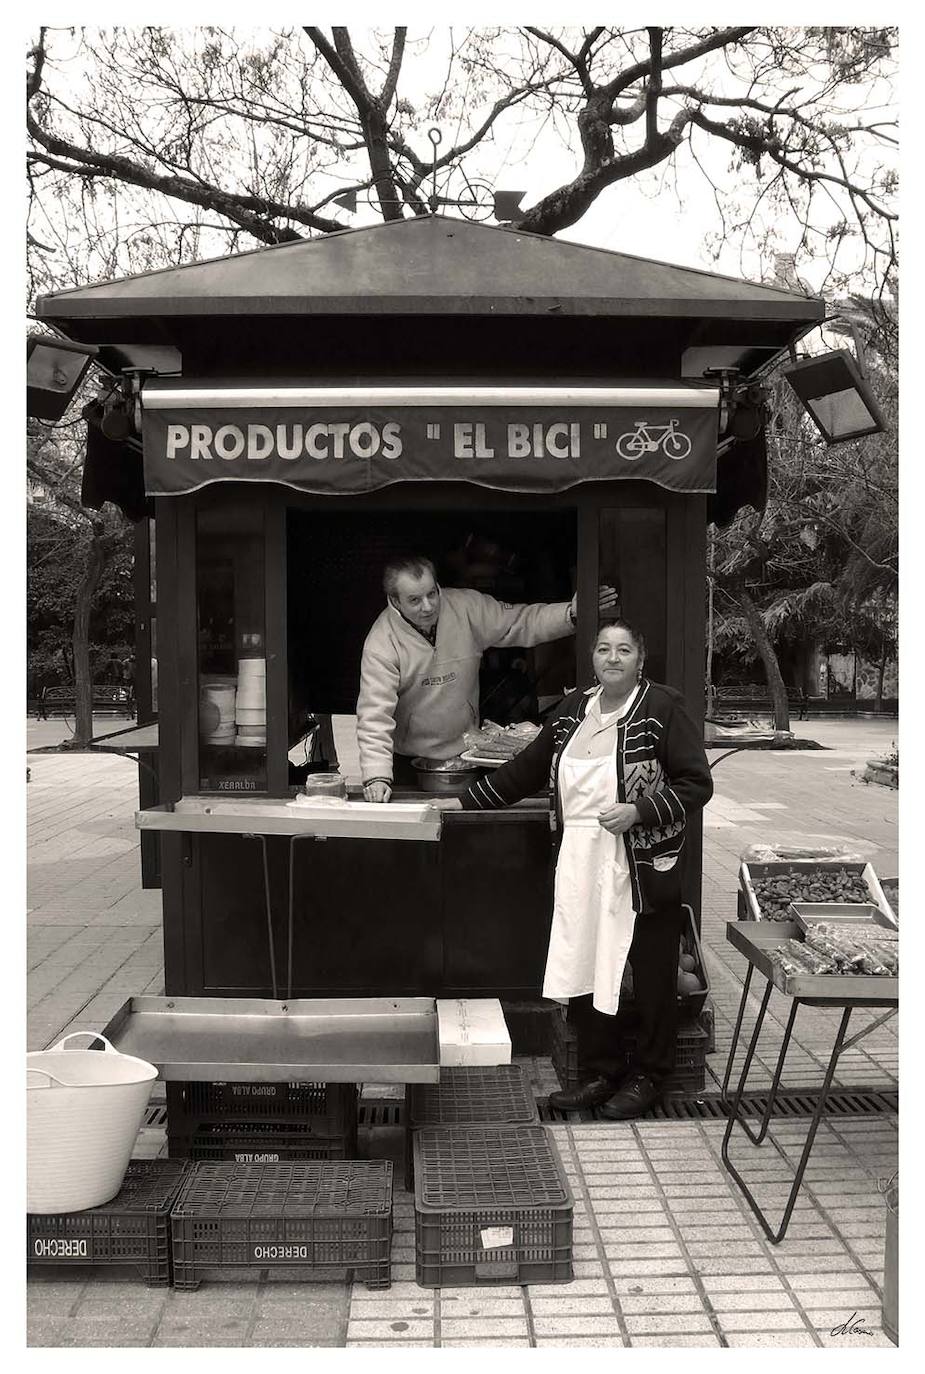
{"points": [[240, 1039], [267, 816], [757, 940]]}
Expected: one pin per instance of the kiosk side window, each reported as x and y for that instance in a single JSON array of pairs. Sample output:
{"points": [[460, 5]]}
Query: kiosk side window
{"points": [[231, 647]]}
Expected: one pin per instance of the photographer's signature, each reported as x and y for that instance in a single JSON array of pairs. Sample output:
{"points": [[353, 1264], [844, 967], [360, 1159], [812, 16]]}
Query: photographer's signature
{"points": [[852, 1327]]}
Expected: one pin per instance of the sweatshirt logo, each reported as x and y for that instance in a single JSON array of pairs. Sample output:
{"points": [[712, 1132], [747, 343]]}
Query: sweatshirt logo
{"points": [[438, 681]]}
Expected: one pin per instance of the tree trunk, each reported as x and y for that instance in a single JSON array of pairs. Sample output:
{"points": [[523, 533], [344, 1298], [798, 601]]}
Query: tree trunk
{"points": [[769, 659], [881, 672], [97, 554]]}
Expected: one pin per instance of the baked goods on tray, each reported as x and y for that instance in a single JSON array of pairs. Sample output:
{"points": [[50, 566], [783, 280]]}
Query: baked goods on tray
{"points": [[500, 742]]}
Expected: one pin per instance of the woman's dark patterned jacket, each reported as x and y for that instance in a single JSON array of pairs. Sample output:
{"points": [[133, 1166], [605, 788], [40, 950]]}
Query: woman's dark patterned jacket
{"points": [[661, 768]]}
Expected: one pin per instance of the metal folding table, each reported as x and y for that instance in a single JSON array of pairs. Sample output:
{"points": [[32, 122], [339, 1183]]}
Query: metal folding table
{"points": [[756, 940]]}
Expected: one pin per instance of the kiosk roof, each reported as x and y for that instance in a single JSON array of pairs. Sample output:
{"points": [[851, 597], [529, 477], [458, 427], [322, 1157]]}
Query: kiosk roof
{"points": [[430, 266]]}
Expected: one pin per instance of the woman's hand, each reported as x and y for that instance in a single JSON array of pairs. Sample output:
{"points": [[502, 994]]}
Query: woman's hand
{"points": [[619, 817]]}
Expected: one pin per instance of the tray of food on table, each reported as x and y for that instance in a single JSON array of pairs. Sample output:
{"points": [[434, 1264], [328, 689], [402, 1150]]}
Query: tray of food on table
{"points": [[494, 744], [770, 888]]}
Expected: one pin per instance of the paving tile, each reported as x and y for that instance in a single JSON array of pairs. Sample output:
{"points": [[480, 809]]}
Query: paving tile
{"points": [[581, 1342], [397, 1343], [700, 1249], [634, 1268], [752, 1301], [107, 1331], [855, 1342], [576, 1326], [847, 1314], [568, 1306], [783, 1320], [774, 1339], [398, 1292], [483, 1326], [624, 1250], [577, 1288], [640, 1323], [661, 1302], [861, 1296], [699, 1340], [811, 1280], [44, 1330], [635, 1235], [490, 1341], [386, 1331], [797, 1264], [453, 1307], [758, 1264], [405, 1309]]}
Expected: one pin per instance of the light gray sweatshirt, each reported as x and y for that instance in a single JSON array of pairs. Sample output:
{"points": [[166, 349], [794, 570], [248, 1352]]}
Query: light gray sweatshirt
{"points": [[417, 698]]}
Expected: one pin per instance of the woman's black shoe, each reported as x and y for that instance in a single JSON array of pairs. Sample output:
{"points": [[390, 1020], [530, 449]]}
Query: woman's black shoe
{"points": [[634, 1098], [590, 1094]]}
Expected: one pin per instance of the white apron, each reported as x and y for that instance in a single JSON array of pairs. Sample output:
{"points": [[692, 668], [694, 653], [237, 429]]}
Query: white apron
{"points": [[593, 916]]}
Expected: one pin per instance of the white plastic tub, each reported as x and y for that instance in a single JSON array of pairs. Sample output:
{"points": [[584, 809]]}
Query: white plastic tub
{"points": [[84, 1111]]}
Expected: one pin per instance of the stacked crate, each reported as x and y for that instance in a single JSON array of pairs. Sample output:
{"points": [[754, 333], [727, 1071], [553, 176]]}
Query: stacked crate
{"points": [[131, 1229], [467, 1096], [688, 1075], [265, 1123], [303, 1215], [491, 1205]]}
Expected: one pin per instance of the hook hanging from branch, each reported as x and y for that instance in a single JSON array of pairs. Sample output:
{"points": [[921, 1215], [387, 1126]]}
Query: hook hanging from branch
{"points": [[436, 139]]}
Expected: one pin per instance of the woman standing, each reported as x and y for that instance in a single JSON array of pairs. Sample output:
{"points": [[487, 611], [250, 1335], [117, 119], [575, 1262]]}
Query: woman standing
{"points": [[627, 766]]}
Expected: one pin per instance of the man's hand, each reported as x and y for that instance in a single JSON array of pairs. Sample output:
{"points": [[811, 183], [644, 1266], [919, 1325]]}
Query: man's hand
{"points": [[619, 817], [377, 790], [608, 603]]}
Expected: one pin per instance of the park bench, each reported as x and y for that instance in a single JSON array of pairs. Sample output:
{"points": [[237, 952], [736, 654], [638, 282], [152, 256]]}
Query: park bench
{"points": [[748, 697], [117, 698]]}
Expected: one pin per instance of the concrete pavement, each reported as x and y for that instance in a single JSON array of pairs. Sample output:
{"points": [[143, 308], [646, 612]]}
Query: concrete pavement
{"points": [[666, 1251]]}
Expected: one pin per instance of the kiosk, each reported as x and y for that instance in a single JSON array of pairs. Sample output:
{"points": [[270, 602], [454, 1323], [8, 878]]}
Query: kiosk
{"points": [[539, 417]]}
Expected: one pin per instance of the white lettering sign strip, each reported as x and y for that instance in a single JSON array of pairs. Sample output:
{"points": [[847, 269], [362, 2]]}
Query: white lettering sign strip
{"points": [[506, 447]]}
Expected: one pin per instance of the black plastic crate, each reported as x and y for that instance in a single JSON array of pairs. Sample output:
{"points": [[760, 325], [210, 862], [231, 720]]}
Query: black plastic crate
{"points": [[323, 1109], [564, 1053], [302, 1215], [688, 1075], [259, 1142], [132, 1229], [491, 1205], [465, 1096]]}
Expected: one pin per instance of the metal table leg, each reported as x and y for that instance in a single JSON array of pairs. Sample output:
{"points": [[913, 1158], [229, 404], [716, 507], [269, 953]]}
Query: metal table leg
{"points": [[735, 1117], [268, 907], [775, 1082], [292, 840], [724, 1091]]}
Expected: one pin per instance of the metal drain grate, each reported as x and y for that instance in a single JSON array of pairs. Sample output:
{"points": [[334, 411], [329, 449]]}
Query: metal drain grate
{"points": [[845, 1102], [385, 1113]]}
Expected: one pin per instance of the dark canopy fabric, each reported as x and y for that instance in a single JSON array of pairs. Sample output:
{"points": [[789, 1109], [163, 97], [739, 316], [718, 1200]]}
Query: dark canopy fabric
{"points": [[350, 449], [112, 470]]}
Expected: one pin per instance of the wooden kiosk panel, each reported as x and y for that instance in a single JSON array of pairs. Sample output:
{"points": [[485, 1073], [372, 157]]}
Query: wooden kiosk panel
{"points": [[497, 872], [365, 911]]}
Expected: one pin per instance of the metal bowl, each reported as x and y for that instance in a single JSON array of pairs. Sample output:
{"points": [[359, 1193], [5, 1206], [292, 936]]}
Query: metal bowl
{"points": [[434, 776]]}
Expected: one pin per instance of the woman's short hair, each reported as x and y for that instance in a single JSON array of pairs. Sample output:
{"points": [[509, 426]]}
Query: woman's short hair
{"points": [[635, 635], [414, 563]]}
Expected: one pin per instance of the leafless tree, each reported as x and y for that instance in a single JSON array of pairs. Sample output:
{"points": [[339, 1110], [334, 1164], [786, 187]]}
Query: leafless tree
{"points": [[160, 136]]}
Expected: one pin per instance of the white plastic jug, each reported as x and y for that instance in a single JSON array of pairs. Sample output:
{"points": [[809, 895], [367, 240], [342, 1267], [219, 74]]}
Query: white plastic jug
{"points": [[84, 1110]]}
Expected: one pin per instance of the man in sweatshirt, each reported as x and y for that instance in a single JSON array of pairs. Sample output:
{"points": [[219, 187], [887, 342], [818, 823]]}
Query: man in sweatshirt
{"points": [[419, 672]]}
